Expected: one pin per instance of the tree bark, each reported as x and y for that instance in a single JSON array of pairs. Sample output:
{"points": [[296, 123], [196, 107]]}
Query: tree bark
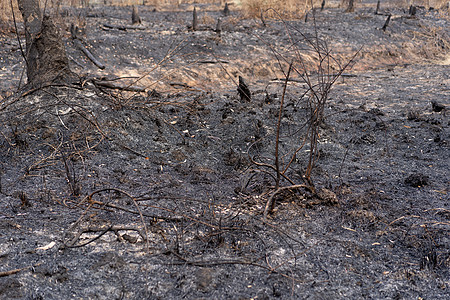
{"points": [[32, 19], [45, 55]]}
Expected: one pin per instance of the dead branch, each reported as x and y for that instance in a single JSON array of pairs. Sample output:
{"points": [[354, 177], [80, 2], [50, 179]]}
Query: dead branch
{"points": [[270, 204], [221, 61], [116, 86], [15, 271], [102, 231], [91, 202], [123, 27], [277, 138], [86, 52]]}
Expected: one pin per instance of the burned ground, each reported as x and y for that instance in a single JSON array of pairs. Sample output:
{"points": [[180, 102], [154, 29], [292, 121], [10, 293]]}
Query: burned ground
{"points": [[118, 195]]}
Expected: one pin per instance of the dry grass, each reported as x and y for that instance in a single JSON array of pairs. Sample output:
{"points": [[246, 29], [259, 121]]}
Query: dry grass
{"points": [[285, 8], [5, 11]]}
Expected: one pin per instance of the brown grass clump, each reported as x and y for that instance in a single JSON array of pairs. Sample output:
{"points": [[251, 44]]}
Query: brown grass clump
{"points": [[287, 9], [5, 11]]}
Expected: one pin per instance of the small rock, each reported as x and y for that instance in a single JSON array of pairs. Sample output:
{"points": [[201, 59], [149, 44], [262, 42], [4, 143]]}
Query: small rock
{"points": [[437, 107], [130, 238], [376, 111], [417, 180]]}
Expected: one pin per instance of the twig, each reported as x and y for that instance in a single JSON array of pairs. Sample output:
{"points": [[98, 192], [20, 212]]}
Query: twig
{"points": [[71, 244], [15, 271], [89, 198], [271, 202], [277, 139]]}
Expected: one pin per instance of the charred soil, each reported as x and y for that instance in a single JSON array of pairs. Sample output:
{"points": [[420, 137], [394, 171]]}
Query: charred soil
{"points": [[111, 194]]}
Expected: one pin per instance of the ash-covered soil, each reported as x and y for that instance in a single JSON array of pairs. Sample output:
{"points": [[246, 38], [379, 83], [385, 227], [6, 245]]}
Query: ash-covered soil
{"points": [[107, 194]]}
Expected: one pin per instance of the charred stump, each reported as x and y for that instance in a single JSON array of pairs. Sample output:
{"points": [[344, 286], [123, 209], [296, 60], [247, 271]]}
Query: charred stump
{"points": [[135, 19], [350, 7], [243, 90], [45, 53], [386, 24], [261, 16], [194, 20], [226, 10], [219, 26], [377, 11]]}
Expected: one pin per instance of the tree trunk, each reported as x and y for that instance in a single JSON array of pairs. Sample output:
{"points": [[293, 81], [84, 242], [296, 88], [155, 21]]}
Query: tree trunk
{"points": [[135, 19], [45, 52], [350, 7]]}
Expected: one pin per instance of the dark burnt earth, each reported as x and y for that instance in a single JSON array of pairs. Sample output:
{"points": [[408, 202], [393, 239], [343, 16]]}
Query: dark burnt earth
{"points": [[107, 194]]}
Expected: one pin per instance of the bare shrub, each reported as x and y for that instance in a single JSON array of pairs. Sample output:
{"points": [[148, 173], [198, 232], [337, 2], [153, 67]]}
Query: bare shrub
{"points": [[310, 62]]}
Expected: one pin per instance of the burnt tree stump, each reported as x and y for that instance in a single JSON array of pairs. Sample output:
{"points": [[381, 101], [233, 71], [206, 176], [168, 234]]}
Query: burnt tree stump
{"points": [[194, 20], [45, 55], [243, 90], [219, 26], [350, 7], [261, 16], [377, 11], [386, 24], [226, 10], [135, 19]]}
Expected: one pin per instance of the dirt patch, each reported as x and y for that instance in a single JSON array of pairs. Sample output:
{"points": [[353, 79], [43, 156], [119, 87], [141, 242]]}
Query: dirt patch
{"points": [[152, 195]]}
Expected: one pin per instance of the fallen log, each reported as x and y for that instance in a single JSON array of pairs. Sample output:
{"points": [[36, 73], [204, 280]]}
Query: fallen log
{"points": [[123, 27], [86, 52], [117, 86], [220, 61]]}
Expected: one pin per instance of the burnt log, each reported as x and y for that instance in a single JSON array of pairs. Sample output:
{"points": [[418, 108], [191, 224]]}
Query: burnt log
{"points": [[89, 55], [122, 27], [117, 86], [77, 42]]}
